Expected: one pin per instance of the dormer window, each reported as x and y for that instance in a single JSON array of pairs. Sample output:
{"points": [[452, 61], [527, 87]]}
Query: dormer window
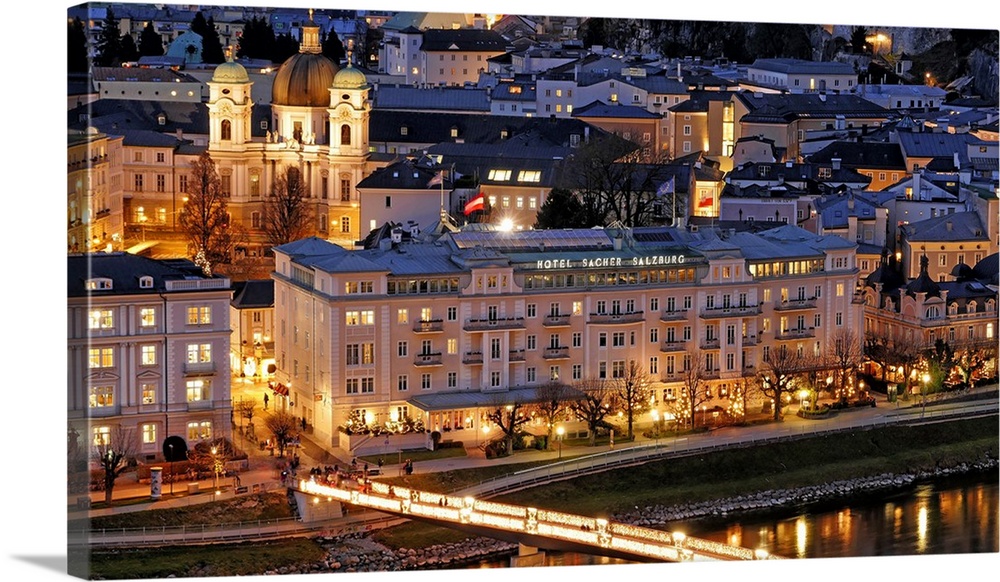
{"points": [[764, 171], [161, 119], [145, 282], [404, 130], [454, 132], [99, 284]]}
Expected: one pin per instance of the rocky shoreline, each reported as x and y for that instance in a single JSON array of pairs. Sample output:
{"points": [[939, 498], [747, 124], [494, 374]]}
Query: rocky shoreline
{"points": [[359, 553]]}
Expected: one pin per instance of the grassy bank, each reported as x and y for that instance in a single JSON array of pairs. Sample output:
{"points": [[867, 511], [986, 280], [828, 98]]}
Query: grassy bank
{"points": [[735, 472], [262, 506], [228, 560]]}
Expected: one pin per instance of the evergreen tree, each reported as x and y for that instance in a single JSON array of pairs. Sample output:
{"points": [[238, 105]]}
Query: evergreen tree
{"points": [[77, 47], [257, 40], [109, 43], [129, 52], [150, 44], [332, 47], [561, 209], [284, 47], [211, 46]]}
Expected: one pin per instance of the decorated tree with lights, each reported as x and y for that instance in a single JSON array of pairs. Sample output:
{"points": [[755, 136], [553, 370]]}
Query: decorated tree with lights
{"points": [[552, 404], [508, 418], [845, 355], [631, 393], [283, 426], [693, 376], [204, 218], [593, 405]]}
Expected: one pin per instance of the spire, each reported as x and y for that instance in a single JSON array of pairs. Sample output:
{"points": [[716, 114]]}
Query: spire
{"points": [[310, 36], [923, 264]]}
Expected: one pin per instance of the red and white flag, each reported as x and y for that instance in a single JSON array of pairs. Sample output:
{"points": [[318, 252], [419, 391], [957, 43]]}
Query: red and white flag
{"points": [[475, 204], [437, 179]]}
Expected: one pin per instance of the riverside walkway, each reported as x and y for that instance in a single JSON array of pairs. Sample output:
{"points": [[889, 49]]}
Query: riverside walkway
{"points": [[622, 456]]}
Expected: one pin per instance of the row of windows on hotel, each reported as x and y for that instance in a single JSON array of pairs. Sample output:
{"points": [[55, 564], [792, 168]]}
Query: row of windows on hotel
{"points": [[105, 318], [159, 184], [196, 431], [986, 332], [360, 317], [606, 370]]}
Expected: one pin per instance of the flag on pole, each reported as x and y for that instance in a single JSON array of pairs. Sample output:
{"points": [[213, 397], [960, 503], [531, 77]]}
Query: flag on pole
{"points": [[666, 187], [437, 179], [477, 203]]}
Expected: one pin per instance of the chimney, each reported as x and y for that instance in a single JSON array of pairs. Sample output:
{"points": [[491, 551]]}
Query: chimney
{"points": [[948, 225], [397, 235], [835, 162]]}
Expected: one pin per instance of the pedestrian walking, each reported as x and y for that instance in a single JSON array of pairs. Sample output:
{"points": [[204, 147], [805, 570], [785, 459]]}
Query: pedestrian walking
{"points": [[303, 423], [265, 401]]}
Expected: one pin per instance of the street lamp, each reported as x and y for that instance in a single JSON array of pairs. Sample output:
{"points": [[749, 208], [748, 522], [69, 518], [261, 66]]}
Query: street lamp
{"points": [[559, 434], [655, 414], [171, 447], [803, 394], [215, 468], [923, 394]]}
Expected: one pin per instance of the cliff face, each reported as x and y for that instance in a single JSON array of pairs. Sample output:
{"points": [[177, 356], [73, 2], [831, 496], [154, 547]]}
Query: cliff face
{"points": [[900, 39], [985, 71]]}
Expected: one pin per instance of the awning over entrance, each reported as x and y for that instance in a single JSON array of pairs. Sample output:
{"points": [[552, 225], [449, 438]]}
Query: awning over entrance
{"points": [[278, 388], [460, 400]]}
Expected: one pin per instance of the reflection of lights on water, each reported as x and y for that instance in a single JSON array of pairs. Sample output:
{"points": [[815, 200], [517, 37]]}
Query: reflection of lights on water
{"points": [[922, 529], [801, 536]]}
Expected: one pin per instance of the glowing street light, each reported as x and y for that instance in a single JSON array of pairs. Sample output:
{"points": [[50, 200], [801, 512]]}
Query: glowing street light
{"points": [[559, 434]]}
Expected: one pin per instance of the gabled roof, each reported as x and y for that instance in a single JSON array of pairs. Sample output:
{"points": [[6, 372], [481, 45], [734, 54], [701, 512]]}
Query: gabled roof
{"points": [[114, 116], [801, 67], [959, 226], [601, 109], [463, 40], [700, 100], [784, 108], [125, 270], [837, 209], [864, 154], [939, 144], [254, 294], [406, 174], [406, 97], [792, 172], [432, 128]]}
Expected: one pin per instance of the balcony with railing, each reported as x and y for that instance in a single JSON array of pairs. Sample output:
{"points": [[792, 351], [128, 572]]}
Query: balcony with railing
{"points": [[795, 304], [516, 356], [428, 359], [674, 315], [675, 346], [710, 343], [428, 326], [630, 317], [472, 358], [731, 311], [750, 340], [556, 353], [494, 323], [796, 333], [199, 368], [557, 320]]}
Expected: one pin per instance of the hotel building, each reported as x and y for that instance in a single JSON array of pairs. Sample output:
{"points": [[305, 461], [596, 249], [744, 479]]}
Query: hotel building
{"points": [[442, 329]]}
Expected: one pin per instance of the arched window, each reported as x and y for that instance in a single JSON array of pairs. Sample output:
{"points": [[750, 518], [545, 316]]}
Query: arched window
{"points": [[345, 134], [970, 307], [227, 129], [932, 313], [952, 308]]}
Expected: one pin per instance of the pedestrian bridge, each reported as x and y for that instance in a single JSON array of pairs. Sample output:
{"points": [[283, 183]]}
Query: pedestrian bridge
{"points": [[529, 526]]}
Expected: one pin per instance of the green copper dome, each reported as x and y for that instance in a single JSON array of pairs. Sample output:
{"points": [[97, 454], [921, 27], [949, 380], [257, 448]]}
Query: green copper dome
{"points": [[230, 72], [349, 78]]}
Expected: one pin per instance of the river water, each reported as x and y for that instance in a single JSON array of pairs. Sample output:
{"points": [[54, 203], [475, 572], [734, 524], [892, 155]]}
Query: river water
{"points": [[956, 516]]}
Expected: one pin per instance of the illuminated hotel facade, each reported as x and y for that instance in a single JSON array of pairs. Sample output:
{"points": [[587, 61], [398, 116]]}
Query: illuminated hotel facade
{"points": [[443, 328]]}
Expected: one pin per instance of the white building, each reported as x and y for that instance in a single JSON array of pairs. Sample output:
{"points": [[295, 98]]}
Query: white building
{"points": [[147, 350], [440, 331]]}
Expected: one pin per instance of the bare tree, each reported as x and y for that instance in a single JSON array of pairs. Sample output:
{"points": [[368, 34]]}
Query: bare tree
{"points": [[745, 391], [284, 427], [845, 354], [552, 403], [781, 366], [693, 394], [878, 348], [508, 417], [113, 453], [204, 218], [616, 180], [287, 214], [246, 409], [593, 405], [631, 391]]}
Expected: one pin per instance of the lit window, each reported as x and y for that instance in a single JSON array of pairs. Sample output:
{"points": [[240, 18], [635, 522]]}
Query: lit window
{"points": [[102, 396], [199, 431], [102, 436], [101, 319], [148, 434], [199, 353], [199, 315], [529, 176], [148, 355], [499, 175], [148, 393], [197, 390], [102, 357]]}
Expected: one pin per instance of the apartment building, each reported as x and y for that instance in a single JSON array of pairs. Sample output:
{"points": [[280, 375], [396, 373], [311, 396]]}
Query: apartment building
{"points": [[443, 329], [147, 350]]}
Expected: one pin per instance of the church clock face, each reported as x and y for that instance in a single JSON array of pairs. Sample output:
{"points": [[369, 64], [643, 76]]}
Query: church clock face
{"points": [[344, 113], [345, 97]]}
